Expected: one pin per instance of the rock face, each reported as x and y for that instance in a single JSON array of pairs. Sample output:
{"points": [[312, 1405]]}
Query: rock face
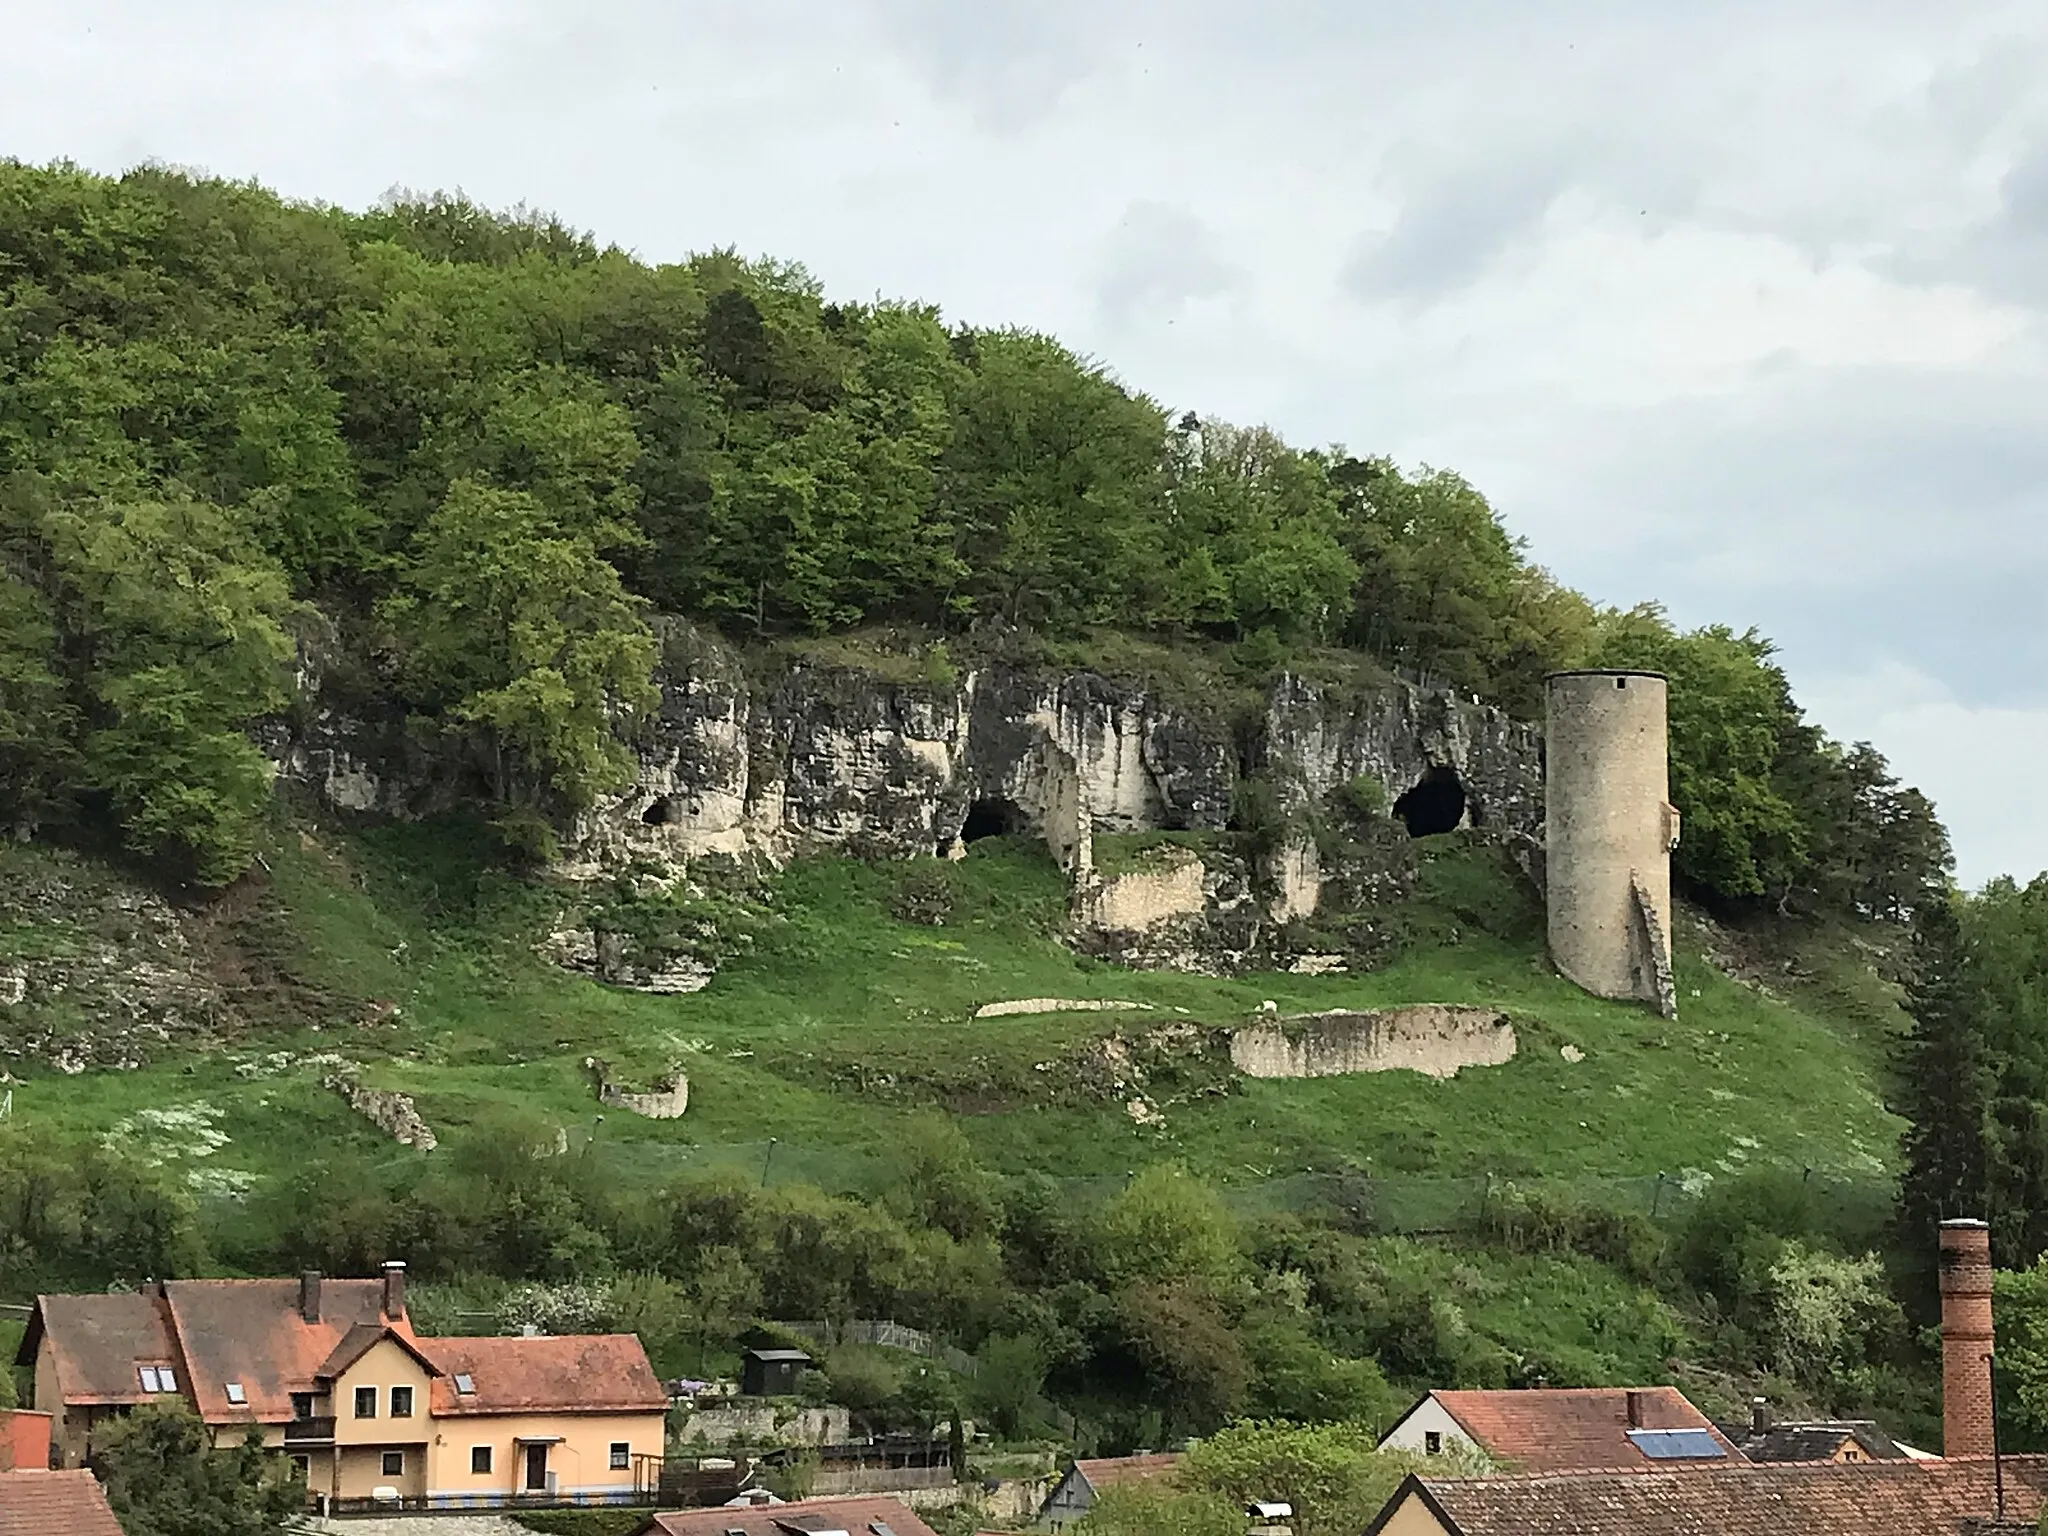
{"points": [[1438, 1041], [747, 759], [95, 971], [760, 758], [1396, 737]]}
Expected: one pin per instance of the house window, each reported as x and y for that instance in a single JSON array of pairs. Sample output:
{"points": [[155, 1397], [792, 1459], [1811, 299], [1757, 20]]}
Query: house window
{"points": [[622, 1455], [302, 1468], [1432, 1442], [302, 1405], [479, 1460], [366, 1402], [465, 1385], [394, 1463], [401, 1402], [235, 1394], [158, 1378]]}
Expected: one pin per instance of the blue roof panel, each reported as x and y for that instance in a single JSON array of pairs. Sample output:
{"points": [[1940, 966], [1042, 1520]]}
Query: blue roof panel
{"points": [[1677, 1444]]}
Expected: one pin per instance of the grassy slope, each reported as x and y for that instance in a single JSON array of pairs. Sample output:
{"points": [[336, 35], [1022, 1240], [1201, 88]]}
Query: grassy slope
{"points": [[835, 994]]}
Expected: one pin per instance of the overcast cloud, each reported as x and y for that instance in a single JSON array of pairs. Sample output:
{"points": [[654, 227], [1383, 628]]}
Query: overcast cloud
{"points": [[1735, 306]]}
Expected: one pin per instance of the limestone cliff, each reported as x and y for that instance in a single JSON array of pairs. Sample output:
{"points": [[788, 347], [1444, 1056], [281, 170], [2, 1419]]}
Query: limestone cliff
{"points": [[763, 758], [746, 758]]}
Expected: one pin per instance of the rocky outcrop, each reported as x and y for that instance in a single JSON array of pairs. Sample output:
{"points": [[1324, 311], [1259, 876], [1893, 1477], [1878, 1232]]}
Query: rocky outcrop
{"points": [[606, 956], [1436, 1040], [392, 1113], [1322, 740], [95, 970], [770, 756]]}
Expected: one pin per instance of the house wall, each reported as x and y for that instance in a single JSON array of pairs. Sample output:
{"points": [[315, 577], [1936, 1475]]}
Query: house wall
{"points": [[1429, 1417], [1068, 1501], [359, 1471], [1411, 1517], [581, 1463], [70, 1426], [385, 1366]]}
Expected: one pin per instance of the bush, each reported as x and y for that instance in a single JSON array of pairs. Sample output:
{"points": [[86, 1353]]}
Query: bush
{"points": [[1529, 1221]]}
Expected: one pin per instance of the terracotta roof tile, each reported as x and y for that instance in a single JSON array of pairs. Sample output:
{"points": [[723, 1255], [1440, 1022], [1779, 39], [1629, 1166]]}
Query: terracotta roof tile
{"points": [[98, 1341], [857, 1517], [54, 1504], [250, 1331], [1882, 1498], [1556, 1429], [1118, 1471], [1817, 1441], [584, 1373]]}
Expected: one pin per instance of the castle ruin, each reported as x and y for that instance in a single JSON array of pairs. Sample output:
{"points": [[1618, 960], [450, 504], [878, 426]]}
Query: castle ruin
{"points": [[1609, 828]]}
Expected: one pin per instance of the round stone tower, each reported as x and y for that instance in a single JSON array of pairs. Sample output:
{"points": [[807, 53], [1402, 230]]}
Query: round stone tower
{"points": [[1609, 829]]}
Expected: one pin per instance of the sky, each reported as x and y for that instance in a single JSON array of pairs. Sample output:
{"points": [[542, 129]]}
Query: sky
{"points": [[1737, 307]]}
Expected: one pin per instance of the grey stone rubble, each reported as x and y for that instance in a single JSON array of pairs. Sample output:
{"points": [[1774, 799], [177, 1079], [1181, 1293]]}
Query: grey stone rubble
{"points": [[420, 1525], [392, 1113]]}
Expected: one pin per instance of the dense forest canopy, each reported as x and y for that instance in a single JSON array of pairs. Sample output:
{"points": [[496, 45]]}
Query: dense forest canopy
{"points": [[489, 449]]}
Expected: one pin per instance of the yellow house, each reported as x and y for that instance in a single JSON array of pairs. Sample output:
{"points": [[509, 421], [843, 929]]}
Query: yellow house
{"points": [[331, 1373]]}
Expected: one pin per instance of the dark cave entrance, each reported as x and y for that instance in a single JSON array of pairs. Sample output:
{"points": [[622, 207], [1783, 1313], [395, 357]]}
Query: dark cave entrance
{"points": [[991, 818], [656, 815], [1435, 804]]}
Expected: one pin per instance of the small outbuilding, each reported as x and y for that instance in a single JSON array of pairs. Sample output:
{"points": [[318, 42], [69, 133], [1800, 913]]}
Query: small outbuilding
{"points": [[771, 1372]]}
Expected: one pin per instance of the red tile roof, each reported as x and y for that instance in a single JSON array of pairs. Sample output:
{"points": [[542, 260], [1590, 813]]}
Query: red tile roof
{"points": [[98, 1342], [1558, 1429], [1117, 1471], [856, 1516], [1879, 1498], [585, 1373], [250, 1331], [54, 1504]]}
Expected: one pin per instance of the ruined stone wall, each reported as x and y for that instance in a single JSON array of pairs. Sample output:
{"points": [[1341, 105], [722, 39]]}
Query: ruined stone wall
{"points": [[1437, 1040]]}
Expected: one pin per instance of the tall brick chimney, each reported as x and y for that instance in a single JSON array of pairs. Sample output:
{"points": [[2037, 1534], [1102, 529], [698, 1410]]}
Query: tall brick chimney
{"points": [[1966, 1406], [394, 1290], [309, 1295]]}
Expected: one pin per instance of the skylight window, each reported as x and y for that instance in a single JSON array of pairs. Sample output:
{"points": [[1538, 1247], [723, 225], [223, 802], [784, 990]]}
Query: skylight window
{"points": [[157, 1378], [1676, 1444], [465, 1384], [236, 1395]]}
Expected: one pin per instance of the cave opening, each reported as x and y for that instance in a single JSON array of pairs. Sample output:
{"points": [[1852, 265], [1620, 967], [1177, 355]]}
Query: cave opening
{"points": [[991, 818], [656, 815], [1435, 804]]}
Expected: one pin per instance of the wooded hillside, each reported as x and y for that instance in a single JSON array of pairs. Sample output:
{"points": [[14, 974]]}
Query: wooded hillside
{"points": [[486, 448]]}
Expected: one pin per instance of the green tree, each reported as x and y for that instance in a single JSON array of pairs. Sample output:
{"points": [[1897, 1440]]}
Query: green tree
{"points": [[1332, 1474], [164, 1479], [1729, 707], [1154, 1509], [1166, 1225], [1944, 1086], [519, 633], [1054, 478], [179, 643]]}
